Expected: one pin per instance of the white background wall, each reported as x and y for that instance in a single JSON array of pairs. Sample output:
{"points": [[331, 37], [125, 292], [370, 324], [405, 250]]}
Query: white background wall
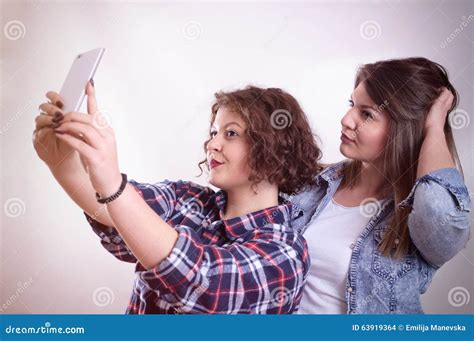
{"points": [[163, 62]]}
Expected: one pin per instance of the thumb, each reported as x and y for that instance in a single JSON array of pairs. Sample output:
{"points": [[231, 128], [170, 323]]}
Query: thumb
{"points": [[92, 108]]}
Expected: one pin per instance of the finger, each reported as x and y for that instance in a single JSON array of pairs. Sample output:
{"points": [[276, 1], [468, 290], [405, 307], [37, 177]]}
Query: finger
{"points": [[55, 98], [51, 109], [92, 108], [43, 121], [90, 134], [86, 119], [76, 143], [38, 135], [444, 92], [78, 117], [446, 97]]}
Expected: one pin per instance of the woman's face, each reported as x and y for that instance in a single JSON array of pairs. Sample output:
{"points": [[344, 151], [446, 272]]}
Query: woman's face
{"points": [[227, 151], [364, 128]]}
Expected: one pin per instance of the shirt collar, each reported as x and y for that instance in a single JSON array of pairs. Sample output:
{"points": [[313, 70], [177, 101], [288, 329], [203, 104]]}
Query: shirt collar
{"points": [[237, 227], [331, 173]]}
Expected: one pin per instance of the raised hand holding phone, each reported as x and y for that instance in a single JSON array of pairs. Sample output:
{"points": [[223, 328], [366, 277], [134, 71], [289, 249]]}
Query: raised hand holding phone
{"points": [[54, 152], [95, 142]]}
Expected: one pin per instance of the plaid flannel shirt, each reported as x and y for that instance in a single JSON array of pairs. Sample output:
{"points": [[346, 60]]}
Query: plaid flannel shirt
{"points": [[253, 263]]}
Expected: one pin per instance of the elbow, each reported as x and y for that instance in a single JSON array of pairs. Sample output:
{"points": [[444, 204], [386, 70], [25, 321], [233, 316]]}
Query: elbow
{"points": [[439, 234], [150, 264]]}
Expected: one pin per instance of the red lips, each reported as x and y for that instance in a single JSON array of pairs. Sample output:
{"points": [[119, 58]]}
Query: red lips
{"points": [[214, 163]]}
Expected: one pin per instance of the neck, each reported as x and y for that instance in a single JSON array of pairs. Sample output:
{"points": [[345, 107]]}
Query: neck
{"points": [[244, 200], [372, 180]]}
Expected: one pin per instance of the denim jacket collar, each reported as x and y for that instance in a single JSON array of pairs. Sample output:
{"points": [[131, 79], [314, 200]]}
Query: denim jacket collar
{"points": [[331, 173]]}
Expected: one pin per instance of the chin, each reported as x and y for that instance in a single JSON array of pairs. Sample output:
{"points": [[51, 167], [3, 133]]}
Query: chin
{"points": [[215, 182], [346, 152]]}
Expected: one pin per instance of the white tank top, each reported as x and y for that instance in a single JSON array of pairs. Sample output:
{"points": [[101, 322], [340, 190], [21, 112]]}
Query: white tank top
{"points": [[331, 238]]}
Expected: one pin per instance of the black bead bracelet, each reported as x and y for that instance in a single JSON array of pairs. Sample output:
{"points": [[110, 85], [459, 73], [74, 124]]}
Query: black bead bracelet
{"points": [[114, 196]]}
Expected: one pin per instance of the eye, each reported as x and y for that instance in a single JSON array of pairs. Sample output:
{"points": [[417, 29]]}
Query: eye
{"points": [[351, 102], [213, 133], [231, 133], [367, 114]]}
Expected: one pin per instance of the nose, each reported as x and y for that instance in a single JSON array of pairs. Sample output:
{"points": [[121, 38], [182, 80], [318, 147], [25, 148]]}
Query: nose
{"points": [[215, 144], [349, 120]]}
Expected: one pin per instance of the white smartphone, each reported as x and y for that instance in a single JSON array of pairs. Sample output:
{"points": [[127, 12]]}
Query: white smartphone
{"points": [[82, 70]]}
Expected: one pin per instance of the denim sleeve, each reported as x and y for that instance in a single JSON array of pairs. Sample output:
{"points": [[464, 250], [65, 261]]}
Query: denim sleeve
{"points": [[439, 221]]}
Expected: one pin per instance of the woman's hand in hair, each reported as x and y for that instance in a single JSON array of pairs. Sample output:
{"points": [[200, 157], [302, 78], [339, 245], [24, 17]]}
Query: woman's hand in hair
{"points": [[436, 117], [435, 153]]}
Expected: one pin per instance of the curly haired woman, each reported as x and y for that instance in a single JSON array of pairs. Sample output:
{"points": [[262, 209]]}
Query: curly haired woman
{"points": [[197, 250]]}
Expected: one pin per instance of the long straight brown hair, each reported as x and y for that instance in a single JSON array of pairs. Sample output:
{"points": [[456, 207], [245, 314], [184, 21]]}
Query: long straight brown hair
{"points": [[406, 90]]}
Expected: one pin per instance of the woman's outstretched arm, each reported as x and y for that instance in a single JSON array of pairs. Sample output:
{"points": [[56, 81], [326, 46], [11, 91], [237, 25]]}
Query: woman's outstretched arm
{"points": [[146, 234]]}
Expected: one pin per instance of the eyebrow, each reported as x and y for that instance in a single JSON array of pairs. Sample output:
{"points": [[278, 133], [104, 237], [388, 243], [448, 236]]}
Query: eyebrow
{"points": [[228, 124], [363, 106]]}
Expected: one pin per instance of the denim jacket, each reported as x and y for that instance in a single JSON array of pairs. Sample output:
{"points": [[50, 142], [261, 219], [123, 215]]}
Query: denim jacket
{"points": [[438, 226]]}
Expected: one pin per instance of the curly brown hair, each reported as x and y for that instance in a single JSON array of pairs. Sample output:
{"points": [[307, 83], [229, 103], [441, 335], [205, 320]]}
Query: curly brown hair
{"points": [[283, 149]]}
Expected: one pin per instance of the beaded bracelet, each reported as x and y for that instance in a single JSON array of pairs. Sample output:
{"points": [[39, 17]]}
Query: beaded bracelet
{"points": [[114, 196]]}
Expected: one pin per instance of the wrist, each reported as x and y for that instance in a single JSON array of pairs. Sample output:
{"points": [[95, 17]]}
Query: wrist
{"points": [[111, 187], [434, 131]]}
